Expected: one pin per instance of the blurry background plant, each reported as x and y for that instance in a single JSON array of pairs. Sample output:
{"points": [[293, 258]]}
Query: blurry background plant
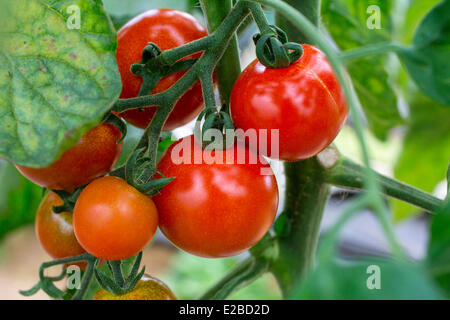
{"points": [[408, 135]]}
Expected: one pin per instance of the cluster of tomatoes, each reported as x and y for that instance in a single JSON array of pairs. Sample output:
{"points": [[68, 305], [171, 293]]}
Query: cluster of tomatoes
{"points": [[210, 210]]}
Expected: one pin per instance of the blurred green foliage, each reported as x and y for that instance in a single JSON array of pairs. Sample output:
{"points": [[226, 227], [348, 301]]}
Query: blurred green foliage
{"points": [[346, 21], [426, 148], [19, 199], [190, 277], [439, 248], [349, 281], [424, 154]]}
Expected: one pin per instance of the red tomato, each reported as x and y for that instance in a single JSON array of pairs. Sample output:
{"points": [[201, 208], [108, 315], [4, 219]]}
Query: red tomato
{"points": [[303, 101], [215, 210], [168, 29], [93, 156], [112, 220], [55, 231]]}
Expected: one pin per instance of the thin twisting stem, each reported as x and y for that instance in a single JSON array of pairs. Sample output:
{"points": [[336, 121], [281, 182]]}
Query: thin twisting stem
{"points": [[374, 49], [87, 279], [243, 274]]}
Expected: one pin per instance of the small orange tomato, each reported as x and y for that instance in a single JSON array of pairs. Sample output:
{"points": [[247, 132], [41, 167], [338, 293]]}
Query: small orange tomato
{"points": [[112, 220], [55, 231]]}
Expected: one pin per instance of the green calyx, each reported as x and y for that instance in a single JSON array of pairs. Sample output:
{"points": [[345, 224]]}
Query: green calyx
{"points": [[116, 282], [139, 168], [273, 49], [69, 200], [220, 122]]}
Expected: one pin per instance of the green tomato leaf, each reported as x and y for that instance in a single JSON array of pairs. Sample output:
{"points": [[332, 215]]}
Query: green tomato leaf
{"points": [[359, 280], [439, 248], [58, 76], [414, 14], [19, 199], [347, 21], [427, 59], [426, 151]]}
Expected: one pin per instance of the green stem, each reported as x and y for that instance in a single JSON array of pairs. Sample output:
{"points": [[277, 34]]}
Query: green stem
{"points": [[369, 50], [206, 79], [328, 244], [305, 199], [347, 174], [86, 282], [228, 68], [243, 274], [310, 9], [83, 257], [87, 277], [173, 55], [260, 18], [116, 268], [215, 46]]}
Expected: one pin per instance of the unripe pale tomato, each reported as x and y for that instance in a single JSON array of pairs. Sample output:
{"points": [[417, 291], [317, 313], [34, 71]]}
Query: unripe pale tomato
{"points": [[93, 156], [167, 28], [304, 102], [112, 220], [215, 210], [148, 288], [55, 230]]}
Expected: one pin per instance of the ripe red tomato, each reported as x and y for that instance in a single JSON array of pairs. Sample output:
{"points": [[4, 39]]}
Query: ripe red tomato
{"points": [[112, 220], [215, 210], [93, 156], [168, 29], [303, 101], [55, 231], [148, 288]]}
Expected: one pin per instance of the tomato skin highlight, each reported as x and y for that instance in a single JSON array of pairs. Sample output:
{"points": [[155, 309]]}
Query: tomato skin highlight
{"points": [[93, 156], [148, 288], [304, 102], [167, 28], [112, 220], [55, 230], [215, 210]]}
